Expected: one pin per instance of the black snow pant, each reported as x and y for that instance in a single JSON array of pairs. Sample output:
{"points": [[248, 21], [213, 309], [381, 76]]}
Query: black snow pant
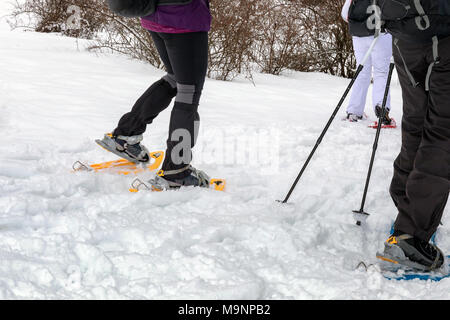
{"points": [[420, 185], [185, 57]]}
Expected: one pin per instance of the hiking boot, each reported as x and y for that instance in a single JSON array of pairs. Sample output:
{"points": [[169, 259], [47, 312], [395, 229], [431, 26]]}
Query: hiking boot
{"points": [[412, 252], [353, 117], [386, 120], [132, 147], [127, 147], [173, 179]]}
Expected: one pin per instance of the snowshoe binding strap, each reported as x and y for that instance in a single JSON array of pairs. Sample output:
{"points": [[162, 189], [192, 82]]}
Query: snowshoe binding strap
{"points": [[131, 139], [162, 173], [143, 156], [203, 178], [439, 256], [394, 239]]}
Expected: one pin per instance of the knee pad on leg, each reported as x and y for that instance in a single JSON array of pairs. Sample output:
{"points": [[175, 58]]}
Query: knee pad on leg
{"points": [[188, 94]]}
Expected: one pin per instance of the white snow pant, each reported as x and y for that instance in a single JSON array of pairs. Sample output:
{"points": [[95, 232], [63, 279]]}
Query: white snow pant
{"points": [[379, 61]]}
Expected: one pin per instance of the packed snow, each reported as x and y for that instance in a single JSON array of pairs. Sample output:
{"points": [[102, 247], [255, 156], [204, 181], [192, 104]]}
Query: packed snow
{"points": [[67, 235]]}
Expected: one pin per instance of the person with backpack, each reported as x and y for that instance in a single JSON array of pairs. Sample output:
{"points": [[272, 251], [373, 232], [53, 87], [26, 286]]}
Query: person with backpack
{"points": [[420, 184], [377, 67], [179, 29]]}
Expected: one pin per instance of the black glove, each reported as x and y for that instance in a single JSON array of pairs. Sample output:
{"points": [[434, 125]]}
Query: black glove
{"points": [[132, 8]]}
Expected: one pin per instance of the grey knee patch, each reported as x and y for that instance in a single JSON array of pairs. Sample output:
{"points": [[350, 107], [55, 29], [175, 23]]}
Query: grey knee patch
{"points": [[185, 93], [170, 78]]}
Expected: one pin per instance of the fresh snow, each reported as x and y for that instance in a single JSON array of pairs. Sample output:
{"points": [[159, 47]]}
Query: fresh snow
{"points": [[66, 235]]}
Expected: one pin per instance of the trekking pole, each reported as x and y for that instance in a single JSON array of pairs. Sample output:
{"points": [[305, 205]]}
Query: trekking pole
{"points": [[358, 71], [360, 214]]}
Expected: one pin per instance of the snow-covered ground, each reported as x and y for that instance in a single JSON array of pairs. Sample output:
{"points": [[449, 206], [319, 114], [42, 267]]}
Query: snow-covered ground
{"points": [[66, 235]]}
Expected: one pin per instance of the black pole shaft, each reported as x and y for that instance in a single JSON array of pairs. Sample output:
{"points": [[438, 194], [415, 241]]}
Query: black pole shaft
{"points": [[358, 71], [377, 136]]}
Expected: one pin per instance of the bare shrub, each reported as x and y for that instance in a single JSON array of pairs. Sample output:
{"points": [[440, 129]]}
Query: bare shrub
{"points": [[267, 36], [126, 36], [278, 35], [232, 37], [280, 38], [89, 19], [329, 45]]}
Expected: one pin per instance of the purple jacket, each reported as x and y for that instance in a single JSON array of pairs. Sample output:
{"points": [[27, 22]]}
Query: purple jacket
{"points": [[192, 17]]}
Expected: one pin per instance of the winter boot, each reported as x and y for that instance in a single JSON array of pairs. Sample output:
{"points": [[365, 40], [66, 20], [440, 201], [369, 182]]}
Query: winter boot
{"points": [[128, 148], [353, 117], [184, 177], [386, 120], [406, 250]]}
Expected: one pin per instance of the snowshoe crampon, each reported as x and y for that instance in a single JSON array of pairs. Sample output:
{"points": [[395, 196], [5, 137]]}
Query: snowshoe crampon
{"points": [[122, 166]]}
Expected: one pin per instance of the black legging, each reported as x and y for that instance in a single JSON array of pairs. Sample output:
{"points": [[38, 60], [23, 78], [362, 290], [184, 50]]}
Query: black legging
{"points": [[185, 57]]}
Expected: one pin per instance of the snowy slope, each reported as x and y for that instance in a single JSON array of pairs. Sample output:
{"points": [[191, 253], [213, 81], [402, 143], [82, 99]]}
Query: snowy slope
{"points": [[66, 235]]}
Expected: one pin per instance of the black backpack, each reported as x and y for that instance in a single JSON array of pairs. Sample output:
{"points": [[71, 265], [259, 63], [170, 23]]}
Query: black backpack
{"points": [[416, 20], [358, 17], [140, 8], [393, 10]]}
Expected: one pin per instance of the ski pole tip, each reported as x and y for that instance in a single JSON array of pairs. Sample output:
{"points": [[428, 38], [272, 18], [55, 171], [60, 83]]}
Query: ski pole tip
{"points": [[360, 216]]}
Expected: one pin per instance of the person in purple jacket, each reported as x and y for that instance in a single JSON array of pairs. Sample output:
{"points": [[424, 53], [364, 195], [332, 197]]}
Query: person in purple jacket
{"points": [[179, 30]]}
